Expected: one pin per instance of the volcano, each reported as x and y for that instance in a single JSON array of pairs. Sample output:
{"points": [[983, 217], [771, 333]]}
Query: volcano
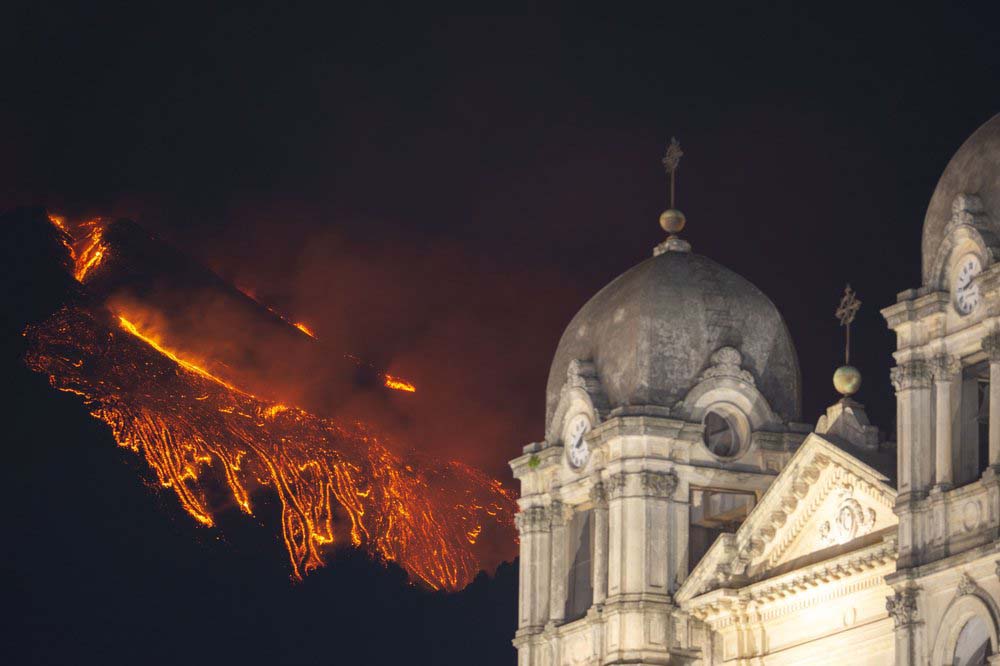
{"points": [[169, 356]]}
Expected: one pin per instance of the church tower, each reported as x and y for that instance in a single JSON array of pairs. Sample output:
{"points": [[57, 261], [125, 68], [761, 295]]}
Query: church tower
{"points": [[947, 381], [671, 406]]}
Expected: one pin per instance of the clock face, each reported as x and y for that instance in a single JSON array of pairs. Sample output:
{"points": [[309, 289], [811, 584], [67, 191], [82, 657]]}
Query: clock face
{"points": [[967, 293], [576, 446]]}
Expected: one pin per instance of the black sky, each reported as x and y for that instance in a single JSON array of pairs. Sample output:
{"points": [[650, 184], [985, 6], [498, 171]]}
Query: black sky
{"points": [[441, 193]]}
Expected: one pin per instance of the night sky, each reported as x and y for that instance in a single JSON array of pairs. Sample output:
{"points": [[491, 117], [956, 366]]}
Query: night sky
{"points": [[437, 193]]}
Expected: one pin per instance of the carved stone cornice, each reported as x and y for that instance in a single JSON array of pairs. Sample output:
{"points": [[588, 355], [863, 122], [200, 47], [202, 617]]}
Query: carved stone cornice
{"points": [[793, 592], [902, 606], [914, 374], [991, 345], [659, 484], [945, 368], [532, 520]]}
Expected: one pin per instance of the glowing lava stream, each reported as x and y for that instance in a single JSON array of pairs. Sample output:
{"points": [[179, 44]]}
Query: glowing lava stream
{"points": [[155, 343], [305, 329], [93, 248], [399, 385], [335, 482]]}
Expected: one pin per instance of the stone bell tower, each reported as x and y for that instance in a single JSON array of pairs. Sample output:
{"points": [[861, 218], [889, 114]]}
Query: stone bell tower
{"points": [[947, 381], [671, 405]]}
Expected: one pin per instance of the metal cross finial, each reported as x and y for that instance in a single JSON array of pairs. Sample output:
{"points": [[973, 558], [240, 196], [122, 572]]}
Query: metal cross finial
{"points": [[670, 162], [846, 312]]}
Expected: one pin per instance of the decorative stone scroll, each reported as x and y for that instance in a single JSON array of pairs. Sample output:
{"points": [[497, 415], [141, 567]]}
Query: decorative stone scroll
{"points": [[914, 374], [659, 484], [599, 494], [944, 368], [583, 375], [616, 485], [966, 585], [727, 362], [902, 606], [965, 209], [850, 520]]}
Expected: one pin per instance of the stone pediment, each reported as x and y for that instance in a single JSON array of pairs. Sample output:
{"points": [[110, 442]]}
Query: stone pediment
{"points": [[824, 503]]}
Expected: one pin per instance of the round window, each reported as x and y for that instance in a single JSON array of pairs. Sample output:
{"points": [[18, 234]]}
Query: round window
{"points": [[721, 435]]}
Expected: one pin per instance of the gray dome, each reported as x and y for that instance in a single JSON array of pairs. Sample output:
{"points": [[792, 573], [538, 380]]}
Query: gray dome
{"points": [[974, 169], [650, 334]]}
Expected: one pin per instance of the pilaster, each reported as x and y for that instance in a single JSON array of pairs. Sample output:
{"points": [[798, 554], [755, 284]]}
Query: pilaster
{"points": [[599, 497], [912, 381], [533, 524], [640, 546], [558, 568], [991, 345], [945, 371], [902, 606]]}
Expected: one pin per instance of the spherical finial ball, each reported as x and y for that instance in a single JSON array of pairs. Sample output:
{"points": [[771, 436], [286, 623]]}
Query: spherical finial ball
{"points": [[672, 221], [847, 380]]}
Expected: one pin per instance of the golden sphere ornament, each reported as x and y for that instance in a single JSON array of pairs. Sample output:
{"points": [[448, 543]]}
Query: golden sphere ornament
{"points": [[672, 221], [847, 380]]}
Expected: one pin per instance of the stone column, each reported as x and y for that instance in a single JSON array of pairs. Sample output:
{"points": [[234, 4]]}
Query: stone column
{"points": [[912, 381], [991, 345], [600, 583], [533, 582], [945, 370], [559, 570]]}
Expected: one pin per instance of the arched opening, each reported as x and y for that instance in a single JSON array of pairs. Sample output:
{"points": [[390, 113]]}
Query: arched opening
{"points": [[580, 590], [973, 645], [971, 457], [967, 634]]}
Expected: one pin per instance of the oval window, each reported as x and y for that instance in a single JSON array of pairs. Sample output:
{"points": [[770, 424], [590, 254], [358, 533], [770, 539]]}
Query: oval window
{"points": [[721, 436]]}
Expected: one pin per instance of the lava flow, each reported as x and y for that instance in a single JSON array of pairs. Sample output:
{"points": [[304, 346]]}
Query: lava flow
{"points": [[336, 482]]}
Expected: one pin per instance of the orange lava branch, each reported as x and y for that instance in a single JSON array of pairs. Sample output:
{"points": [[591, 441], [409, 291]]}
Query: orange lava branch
{"points": [[91, 248], [305, 329], [398, 384]]}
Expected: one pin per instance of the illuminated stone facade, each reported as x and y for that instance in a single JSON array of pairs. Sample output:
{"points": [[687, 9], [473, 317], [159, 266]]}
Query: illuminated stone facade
{"points": [[678, 512]]}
